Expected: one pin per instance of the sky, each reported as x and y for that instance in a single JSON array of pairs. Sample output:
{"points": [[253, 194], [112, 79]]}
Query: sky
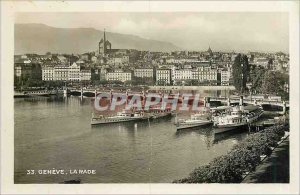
{"points": [[222, 31]]}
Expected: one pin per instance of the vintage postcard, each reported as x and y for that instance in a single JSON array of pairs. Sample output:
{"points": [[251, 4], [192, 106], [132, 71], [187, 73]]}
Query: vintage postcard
{"points": [[149, 97]]}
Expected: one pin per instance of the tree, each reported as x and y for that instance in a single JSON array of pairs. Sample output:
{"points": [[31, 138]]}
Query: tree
{"points": [[240, 72], [194, 82], [95, 78], [269, 83], [257, 77], [273, 83], [161, 82], [270, 63]]}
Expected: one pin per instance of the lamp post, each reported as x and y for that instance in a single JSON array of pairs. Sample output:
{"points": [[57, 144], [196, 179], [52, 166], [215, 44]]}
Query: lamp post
{"points": [[242, 88], [249, 86]]}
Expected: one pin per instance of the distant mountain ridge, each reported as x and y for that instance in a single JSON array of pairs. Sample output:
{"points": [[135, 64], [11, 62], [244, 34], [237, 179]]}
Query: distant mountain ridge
{"points": [[40, 38]]}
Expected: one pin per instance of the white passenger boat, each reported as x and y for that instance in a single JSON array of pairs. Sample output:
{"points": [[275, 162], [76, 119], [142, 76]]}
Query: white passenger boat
{"points": [[124, 116], [236, 117], [196, 120], [157, 113], [40, 92]]}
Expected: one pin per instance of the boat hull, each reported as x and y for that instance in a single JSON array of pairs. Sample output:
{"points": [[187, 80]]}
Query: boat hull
{"points": [[161, 115], [110, 121], [191, 126], [98, 122], [225, 128]]}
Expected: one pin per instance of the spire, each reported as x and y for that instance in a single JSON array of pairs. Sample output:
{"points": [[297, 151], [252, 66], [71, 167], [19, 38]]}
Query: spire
{"points": [[209, 51], [104, 36], [104, 43]]}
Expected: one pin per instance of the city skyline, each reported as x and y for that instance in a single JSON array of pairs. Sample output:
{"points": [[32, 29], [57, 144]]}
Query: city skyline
{"points": [[232, 31]]}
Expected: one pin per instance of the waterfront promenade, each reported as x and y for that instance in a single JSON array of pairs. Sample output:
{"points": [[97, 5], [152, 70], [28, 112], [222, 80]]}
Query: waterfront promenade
{"points": [[176, 87], [274, 169]]}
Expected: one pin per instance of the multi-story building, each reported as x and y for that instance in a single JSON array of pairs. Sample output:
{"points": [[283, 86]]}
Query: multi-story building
{"points": [[22, 71], [118, 75], [61, 73], [205, 74], [143, 72], [65, 73], [85, 75], [28, 69], [172, 67], [183, 74], [74, 71], [48, 73], [163, 76], [225, 77], [261, 62]]}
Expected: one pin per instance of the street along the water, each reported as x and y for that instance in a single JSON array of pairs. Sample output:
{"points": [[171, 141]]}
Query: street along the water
{"points": [[55, 133]]}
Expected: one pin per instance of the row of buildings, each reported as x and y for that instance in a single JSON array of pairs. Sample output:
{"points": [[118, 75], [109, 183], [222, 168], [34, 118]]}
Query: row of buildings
{"points": [[65, 73], [160, 68], [53, 72], [203, 72], [172, 76]]}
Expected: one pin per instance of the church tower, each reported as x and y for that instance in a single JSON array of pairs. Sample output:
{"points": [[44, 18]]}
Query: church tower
{"points": [[209, 51], [104, 45]]}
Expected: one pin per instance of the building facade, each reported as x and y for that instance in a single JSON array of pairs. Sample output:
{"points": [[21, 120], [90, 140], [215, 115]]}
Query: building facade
{"points": [[48, 73], [65, 73], [85, 75], [225, 77], [118, 75], [74, 71], [61, 73], [205, 74], [32, 71], [163, 76], [143, 72], [183, 74]]}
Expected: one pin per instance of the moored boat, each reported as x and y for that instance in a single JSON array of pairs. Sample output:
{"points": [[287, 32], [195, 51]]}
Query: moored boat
{"points": [[236, 118], [157, 113], [195, 120], [124, 116]]}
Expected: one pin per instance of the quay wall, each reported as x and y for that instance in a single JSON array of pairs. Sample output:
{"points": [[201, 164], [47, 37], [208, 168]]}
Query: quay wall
{"points": [[192, 87]]}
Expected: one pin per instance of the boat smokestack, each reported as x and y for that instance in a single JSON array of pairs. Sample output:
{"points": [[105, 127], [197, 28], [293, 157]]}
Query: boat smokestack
{"points": [[241, 103], [206, 102], [241, 100]]}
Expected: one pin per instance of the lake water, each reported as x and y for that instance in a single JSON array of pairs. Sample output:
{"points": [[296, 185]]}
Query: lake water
{"points": [[55, 133]]}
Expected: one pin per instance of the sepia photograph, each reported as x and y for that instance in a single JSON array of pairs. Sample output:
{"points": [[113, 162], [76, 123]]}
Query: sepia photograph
{"points": [[152, 97]]}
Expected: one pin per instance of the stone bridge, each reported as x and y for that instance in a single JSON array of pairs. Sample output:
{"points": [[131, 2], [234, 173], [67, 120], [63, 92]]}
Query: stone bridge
{"points": [[229, 101], [251, 101], [224, 100]]}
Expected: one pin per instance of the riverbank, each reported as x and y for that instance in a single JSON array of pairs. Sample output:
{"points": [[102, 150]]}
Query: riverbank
{"points": [[274, 169], [243, 158]]}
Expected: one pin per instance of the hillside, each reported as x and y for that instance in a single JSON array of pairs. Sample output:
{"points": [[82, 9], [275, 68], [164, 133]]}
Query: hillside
{"points": [[40, 38]]}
